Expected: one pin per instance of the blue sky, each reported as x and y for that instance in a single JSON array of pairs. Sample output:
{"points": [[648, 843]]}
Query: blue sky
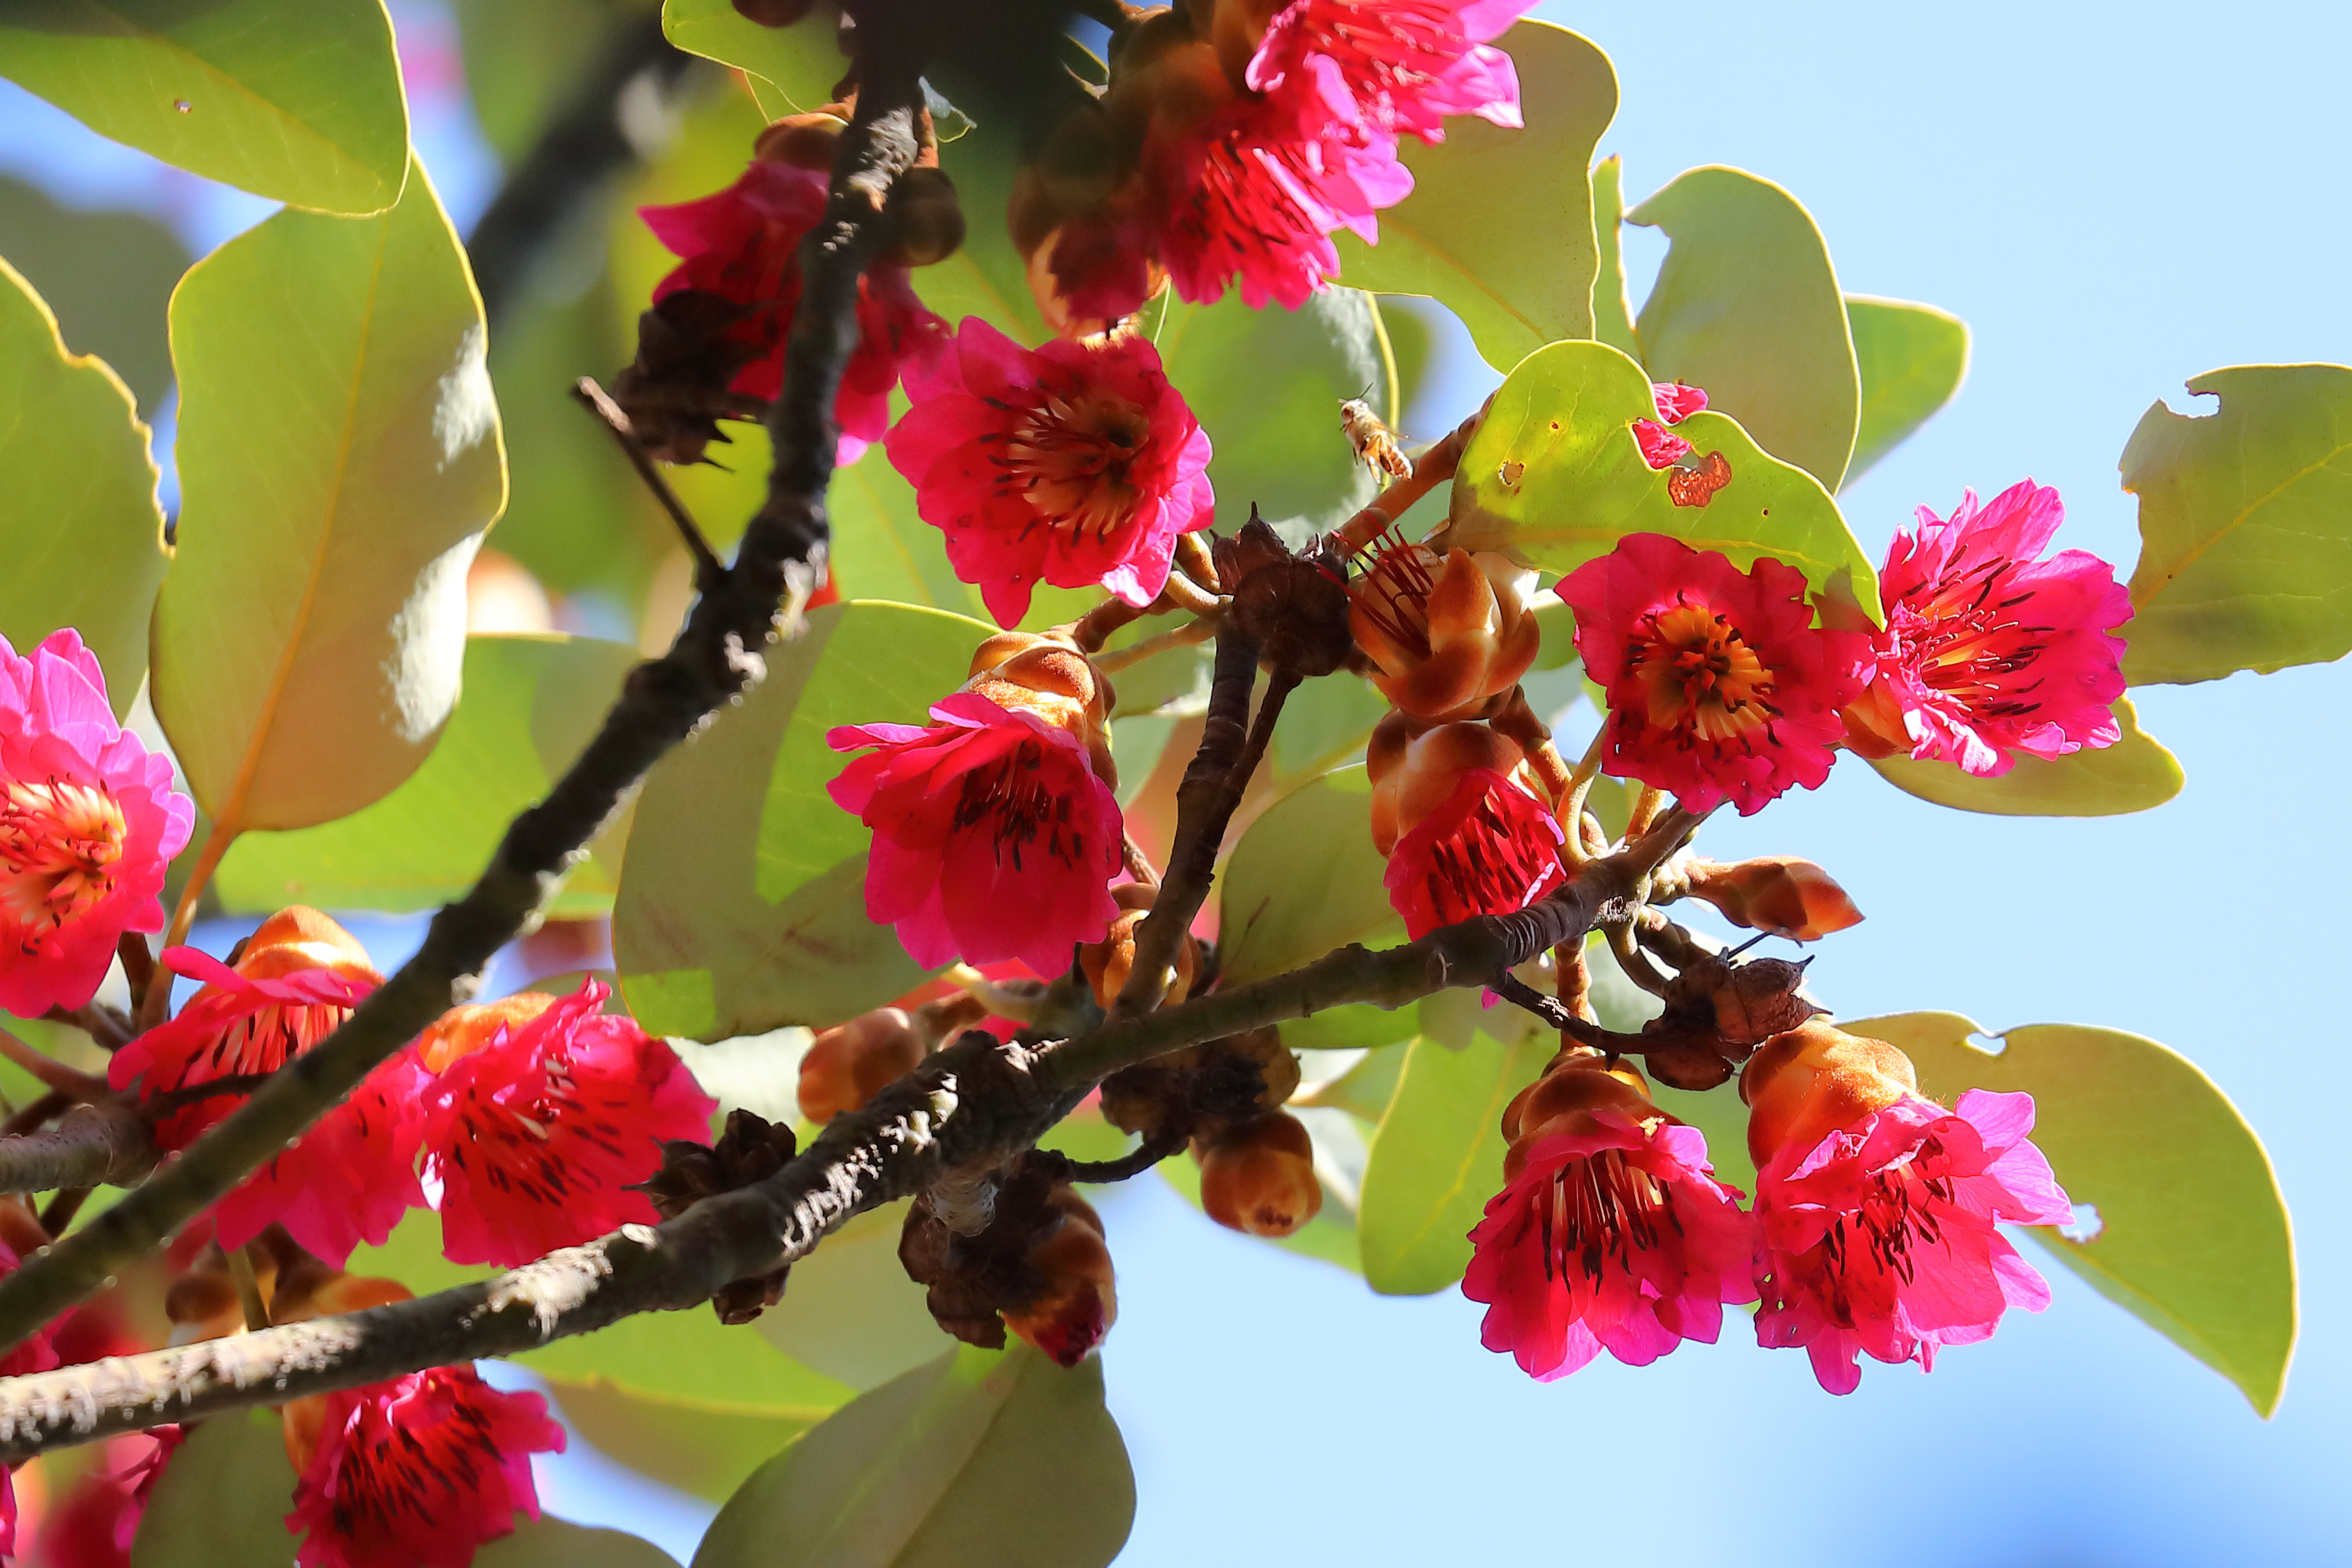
{"points": [[2115, 198]]}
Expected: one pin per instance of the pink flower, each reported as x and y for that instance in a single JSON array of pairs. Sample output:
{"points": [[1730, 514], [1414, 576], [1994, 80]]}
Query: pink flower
{"points": [[545, 1112], [1611, 1232], [1076, 465], [1676, 402], [413, 1473], [349, 1178], [1878, 1206], [89, 822], [1719, 685], [1464, 833], [742, 244], [1404, 65], [1990, 651], [995, 837]]}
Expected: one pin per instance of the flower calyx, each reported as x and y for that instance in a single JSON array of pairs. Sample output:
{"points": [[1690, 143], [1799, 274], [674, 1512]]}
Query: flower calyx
{"points": [[1039, 1268], [1045, 674], [750, 1150], [1807, 1082], [1202, 1089], [1107, 964], [1446, 631], [850, 1063], [1294, 605]]}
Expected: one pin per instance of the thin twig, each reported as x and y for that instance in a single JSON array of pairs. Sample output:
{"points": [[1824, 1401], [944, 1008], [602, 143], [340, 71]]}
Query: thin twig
{"points": [[707, 568], [71, 1082], [1100, 1172], [34, 1112], [105, 1144], [1192, 632], [1430, 470], [63, 1207]]}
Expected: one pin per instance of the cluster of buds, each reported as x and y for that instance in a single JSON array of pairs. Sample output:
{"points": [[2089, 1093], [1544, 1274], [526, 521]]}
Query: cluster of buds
{"points": [[1225, 1098], [1106, 965], [750, 1149], [1039, 1266]]}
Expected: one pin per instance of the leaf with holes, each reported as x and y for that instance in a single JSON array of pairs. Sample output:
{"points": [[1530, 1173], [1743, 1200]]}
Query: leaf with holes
{"points": [[1913, 359], [295, 99], [2245, 522], [1555, 475], [85, 537], [1305, 880], [2194, 1238], [1499, 227], [2135, 773], [1748, 307], [981, 1459], [340, 460], [742, 899]]}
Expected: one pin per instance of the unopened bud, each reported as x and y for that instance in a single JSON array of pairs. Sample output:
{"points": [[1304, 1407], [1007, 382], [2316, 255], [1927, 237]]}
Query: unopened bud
{"points": [[1259, 1177], [1579, 1084], [927, 222], [1107, 964], [201, 1304], [1778, 894], [1077, 1300], [1446, 632], [803, 141], [1806, 1083], [1047, 676], [851, 1063], [1415, 767], [311, 1287]]}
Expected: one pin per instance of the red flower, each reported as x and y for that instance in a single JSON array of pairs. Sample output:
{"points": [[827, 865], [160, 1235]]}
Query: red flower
{"points": [[997, 834], [1463, 833], [1403, 65], [1719, 686], [1076, 465], [1611, 1232], [1676, 403], [87, 824], [1878, 1206], [413, 1473], [93, 1525], [742, 244], [352, 1175], [1988, 650], [545, 1112]]}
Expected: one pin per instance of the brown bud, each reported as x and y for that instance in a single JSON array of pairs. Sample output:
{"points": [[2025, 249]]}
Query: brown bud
{"points": [[1077, 1300], [1760, 999], [1259, 1177], [1039, 1266], [677, 389], [201, 1305], [1415, 767], [1776, 893], [851, 1063], [1107, 964], [803, 141], [1048, 675], [750, 1149], [1805, 1084], [927, 223]]}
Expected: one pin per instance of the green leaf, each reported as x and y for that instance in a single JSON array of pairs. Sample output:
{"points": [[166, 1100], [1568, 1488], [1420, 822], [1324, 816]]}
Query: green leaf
{"points": [[528, 706], [295, 99], [2194, 1238], [339, 459], [850, 1310], [1555, 474], [1500, 224], [85, 537], [1748, 307], [742, 898], [986, 277], [2245, 522], [1357, 1026], [981, 1459], [1612, 312], [222, 1501], [798, 62], [883, 549], [1325, 724], [1305, 880], [2135, 773], [106, 276], [1437, 1158], [547, 1542], [705, 1452], [1913, 359]]}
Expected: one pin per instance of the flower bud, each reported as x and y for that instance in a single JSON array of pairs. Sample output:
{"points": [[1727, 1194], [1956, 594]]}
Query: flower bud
{"points": [[1107, 964], [1775, 893], [1808, 1082], [308, 1288], [927, 223], [1446, 632], [803, 141], [1077, 1302], [1204, 1088], [1874, 725], [1579, 1083], [1039, 1266], [1415, 767], [851, 1063], [1047, 676], [1259, 1177], [751, 1149], [201, 1304]]}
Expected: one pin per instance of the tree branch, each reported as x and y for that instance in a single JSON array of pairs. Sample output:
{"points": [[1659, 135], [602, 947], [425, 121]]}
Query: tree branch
{"points": [[107, 1143], [714, 658]]}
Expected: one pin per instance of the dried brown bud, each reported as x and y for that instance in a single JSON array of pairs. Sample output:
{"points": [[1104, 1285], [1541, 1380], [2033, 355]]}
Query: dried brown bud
{"points": [[1760, 999], [1039, 1268], [1696, 1062], [1294, 606], [1776, 893], [1259, 1177], [750, 1149], [851, 1063], [676, 391], [927, 222]]}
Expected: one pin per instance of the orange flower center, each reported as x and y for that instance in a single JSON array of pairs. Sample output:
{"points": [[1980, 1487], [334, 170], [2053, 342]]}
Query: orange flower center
{"points": [[1696, 673], [1069, 458], [58, 846]]}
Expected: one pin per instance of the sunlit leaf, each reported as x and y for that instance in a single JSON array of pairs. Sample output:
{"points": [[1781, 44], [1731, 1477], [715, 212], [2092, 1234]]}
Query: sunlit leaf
{"points": [[85, 542], [1305, 880], [1325, 724], [1437, 1158], [339, 458], [222, 1499], [2135, 773], [296, 100], [695, 1449], [1499, 227], [799, 63], [1913, 359], [981, 1459], [2193, 1236], [1612, 312], [882, 549], [2245, 522], [742, 898], [106, 275], [1555, 474], [1748, 307], [851, 1311]]}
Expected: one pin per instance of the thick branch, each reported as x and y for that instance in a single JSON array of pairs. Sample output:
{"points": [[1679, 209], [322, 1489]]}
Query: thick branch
{"points": [[102, 1144], [716, 657]]}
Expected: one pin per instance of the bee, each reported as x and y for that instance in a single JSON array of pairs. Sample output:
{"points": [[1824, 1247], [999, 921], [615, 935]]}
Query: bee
{"points": [[1375, 444]]}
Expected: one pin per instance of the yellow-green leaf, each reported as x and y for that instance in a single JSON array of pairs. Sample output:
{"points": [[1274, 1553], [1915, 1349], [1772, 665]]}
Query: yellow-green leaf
{"points": [[340, 460], [851, 1310], [296, 100], [529, 707], [1555, 474], [1612, 312], [1748, 307], [2193, 1236], [1499, 227], [2245, 522], [697, 1449], [549, 1542], [981, 1459], [222, 1499], [2135, 773], [1913, 359], [799, 63], [1305, 880], [1437, 1158], [84, 538]]}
